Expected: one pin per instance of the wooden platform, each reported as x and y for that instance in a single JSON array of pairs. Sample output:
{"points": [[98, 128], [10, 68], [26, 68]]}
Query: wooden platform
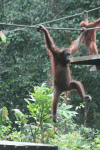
{"points": [[10, 145], [87, 60]]}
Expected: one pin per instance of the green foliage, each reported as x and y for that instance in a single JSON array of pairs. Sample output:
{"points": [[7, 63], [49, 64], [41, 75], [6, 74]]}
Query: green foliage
{"points": [[37, 125], [24, 60], [22, 56], [3, 37], [24, 64], [21, 118], [3, 115], [69, 141], [91, 86], [77, 140], [67, 114], [40, 109]]}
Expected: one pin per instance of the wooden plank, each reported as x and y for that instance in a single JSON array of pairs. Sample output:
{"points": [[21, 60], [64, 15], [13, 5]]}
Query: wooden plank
{"points": [[87, 60], [10, 145]]}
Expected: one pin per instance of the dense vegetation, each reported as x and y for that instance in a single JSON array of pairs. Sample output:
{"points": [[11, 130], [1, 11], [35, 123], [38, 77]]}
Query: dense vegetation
{"points": [[25, 64]]}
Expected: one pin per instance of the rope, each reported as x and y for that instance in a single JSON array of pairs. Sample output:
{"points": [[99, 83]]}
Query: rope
{"points": [[62, 18], [16, 25], [71, 29], [93, 9], [36, 27], [51, 28], [22, 29], [70, 16], [98, 28]]}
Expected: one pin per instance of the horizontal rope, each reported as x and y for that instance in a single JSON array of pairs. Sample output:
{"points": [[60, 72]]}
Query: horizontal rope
{"points": [[36, 27], [18, 29], [93, 28], [51, 20], [17, 25], [72, 29], [51, 28]]}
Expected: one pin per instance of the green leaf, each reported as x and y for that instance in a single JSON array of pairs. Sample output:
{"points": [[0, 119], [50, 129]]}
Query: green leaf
{"points": [[4, 113], [18, 113], [3, 37]]}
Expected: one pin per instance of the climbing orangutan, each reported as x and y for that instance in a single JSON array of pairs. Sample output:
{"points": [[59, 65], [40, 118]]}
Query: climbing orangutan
{"points": [[61, 72], [90, 35]]}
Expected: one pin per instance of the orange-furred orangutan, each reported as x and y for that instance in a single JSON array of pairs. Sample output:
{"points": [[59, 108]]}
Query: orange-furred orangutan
{"points": [[61, 72], [90, 35]]}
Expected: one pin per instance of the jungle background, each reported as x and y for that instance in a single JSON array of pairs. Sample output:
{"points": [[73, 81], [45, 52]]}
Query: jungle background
{"points": [[25, 64]]}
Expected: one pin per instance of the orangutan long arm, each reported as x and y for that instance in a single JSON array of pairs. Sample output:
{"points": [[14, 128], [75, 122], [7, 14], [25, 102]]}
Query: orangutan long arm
{"points": [[76, 44]]}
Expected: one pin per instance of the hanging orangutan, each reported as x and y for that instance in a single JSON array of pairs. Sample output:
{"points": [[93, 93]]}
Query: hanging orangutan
{"points": [[61, 72], [90, 35]]}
